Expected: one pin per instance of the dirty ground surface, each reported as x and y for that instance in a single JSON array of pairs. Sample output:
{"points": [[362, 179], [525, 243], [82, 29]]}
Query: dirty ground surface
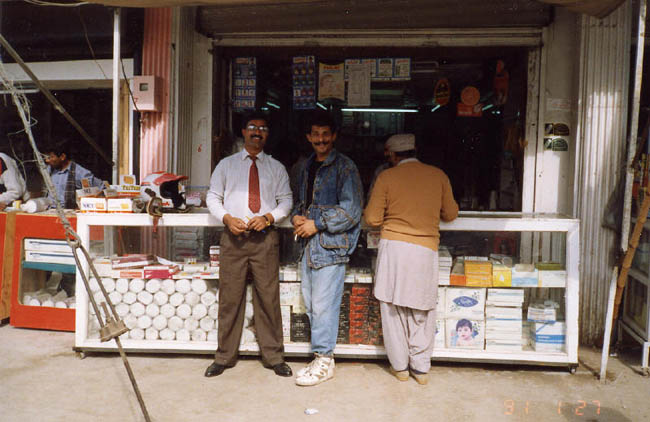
{"points": [[43, 379]]}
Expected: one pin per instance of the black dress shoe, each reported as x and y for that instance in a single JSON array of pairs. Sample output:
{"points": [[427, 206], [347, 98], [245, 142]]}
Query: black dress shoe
{"points": [[214, 369], [282, 369]]}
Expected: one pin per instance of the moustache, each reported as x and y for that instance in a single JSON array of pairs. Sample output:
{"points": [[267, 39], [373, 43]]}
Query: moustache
{"points": [[321, 143]]}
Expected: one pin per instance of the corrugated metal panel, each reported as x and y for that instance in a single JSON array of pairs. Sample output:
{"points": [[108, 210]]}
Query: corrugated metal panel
{"points": [[156, 60], [181, 159], [601, 135], [154, 129]]}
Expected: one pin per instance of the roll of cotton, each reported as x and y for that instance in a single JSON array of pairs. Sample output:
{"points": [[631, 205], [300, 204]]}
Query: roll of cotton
{"points": [[99, 297], [152, 310], [136, 334], [167, 310], [136, 285], [153, 285], [199, 286], [131, 321], [168, 286], [199, 311], [192, 298], [160, 298], [122, 285], [144, 322], [129, 298], [145, 297], [122, 309], [184, 311], [247, 336], [48, 302], [248, 314], [183, 335], [199, 335], [174, 323], [206, 324], [60, 304], [137, 309], [159, 322], [213, 311], [71, 302], [176, 299], [208, 298], [213, 335], [191, 324], [166, 334], [183, 285], [115, 297], [151, 334], [93, 284], [109, 284]]}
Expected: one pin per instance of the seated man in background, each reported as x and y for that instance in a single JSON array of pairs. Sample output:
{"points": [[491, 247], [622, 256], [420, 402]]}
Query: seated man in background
{"points": [[67, 175], [12, 184]]}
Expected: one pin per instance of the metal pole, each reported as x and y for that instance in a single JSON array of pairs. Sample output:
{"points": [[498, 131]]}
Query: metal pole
{"points": [[116, 91]]}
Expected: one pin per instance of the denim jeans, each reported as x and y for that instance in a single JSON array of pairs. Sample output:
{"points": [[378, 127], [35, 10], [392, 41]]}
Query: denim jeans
{"points": [[322, 290]]}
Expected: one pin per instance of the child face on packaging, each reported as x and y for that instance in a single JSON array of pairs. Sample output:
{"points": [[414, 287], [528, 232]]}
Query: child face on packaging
{"points": [[464, 333]]}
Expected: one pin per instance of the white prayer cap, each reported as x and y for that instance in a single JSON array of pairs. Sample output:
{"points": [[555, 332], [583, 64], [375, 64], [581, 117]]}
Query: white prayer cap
{"points": [[401, 142]]}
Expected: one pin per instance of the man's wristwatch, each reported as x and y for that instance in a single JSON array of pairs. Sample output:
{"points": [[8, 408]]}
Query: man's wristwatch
{"points": [[268, 222]]}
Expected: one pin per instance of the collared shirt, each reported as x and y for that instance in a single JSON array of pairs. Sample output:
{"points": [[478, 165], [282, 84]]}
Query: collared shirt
{"points": [[60, 179], [228, 192], [12, 180]]}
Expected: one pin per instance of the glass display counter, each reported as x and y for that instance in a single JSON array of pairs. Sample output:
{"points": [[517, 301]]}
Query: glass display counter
{"points": [[533, 274]]}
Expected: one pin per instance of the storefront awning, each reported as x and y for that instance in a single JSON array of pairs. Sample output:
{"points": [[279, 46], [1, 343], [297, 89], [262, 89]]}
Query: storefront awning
{"points": [[597, 8]]}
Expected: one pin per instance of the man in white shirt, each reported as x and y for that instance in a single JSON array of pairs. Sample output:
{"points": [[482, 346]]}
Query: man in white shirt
{"points": [[249, 192], [12, 184]]}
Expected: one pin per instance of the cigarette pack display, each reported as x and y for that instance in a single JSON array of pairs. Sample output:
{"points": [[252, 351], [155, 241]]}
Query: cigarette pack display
{"points": [[465, 333], [91, 204], [195, 268], [132, 261], [375, 333], [213, 274], [130, 273], [343, 336], [285, 311], [160, 271], [126, 205], [300, 328], [465, 303], [524, 275], [103, 267], [290, 294]]}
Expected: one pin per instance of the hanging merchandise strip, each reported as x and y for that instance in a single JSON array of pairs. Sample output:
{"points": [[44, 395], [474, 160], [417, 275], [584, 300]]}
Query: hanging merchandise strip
{"points": [[113, 327], [303, 70]]}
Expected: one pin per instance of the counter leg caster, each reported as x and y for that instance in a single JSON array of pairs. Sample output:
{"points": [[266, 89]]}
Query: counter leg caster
{"points": [[573, 369]]}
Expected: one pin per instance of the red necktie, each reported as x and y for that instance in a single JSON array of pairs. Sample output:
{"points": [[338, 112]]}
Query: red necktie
{"points": [[253, 186]]}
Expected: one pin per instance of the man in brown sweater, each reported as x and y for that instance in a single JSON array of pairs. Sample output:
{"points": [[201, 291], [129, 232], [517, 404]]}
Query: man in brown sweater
{"points": [[408, 201]]}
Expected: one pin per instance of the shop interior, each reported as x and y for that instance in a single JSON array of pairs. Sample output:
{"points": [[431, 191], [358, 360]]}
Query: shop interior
{"points": [[482, 154]]}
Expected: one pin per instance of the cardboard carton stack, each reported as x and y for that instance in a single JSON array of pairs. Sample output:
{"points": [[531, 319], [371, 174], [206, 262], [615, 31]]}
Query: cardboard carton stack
{"points": [[359, 312], [465, 318], [343, 336], [503, 315]]}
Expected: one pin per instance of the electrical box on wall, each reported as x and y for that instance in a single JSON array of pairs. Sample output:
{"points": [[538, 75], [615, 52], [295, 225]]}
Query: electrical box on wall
{"points": [[147, 93]]}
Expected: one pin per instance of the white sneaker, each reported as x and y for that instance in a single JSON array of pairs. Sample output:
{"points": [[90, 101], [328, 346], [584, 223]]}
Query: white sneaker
{"points": [[307, 368], [320, 370]]}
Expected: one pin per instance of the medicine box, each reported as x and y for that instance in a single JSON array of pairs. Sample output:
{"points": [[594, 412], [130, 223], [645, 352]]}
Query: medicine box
{"points": [[465, 303], [50, 257], [501, 275], [478, 267], [49, 245], [457, 276], [548, 336], [524, 275], [478, 280]]}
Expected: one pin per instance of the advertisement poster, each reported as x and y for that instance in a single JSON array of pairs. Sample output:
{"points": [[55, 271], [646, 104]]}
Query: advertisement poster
{"points": [[330, 81], [359, 85], [244, 83], [384, 69], [303, 70], [402, 69], [442, 92]]}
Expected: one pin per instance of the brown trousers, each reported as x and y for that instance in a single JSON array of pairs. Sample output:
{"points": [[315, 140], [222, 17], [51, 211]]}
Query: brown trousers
{"points": [[259, 251]]}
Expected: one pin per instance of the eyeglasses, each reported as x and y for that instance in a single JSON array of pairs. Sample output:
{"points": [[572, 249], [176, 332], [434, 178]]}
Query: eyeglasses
{"points": [[253, 128]]}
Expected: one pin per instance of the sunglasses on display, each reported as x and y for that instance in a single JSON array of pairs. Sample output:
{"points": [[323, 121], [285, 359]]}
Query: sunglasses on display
{"points": [[253, 128]]}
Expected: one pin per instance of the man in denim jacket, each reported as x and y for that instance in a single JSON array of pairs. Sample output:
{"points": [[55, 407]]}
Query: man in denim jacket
{"points": [[326, 215]]}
